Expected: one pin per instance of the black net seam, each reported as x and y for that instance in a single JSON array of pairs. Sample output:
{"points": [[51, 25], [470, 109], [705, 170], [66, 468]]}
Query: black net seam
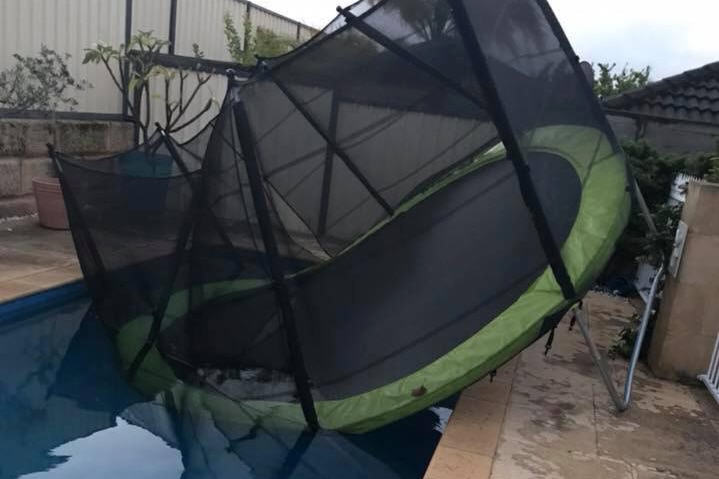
{"points": [[237, 158], [356, 137], [392, 46], [302, 220], [196, 191], [465, 159], [76, 218], [327, 174], [574, 62]]}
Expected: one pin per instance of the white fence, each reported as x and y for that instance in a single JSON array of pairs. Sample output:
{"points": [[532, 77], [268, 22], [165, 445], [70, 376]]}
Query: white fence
{"points": [[70, 26], [711, 378]]}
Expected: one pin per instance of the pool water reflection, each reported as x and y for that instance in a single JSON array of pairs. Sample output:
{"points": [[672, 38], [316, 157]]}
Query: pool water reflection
{"points": [[67, 413]]}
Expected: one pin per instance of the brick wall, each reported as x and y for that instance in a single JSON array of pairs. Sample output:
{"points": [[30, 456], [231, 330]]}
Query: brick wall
{"points": [[23, 153]]}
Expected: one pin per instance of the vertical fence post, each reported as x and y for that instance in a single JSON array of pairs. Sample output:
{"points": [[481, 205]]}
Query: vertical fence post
{"points": [[248, 18], [126, 72], [173, 27]]}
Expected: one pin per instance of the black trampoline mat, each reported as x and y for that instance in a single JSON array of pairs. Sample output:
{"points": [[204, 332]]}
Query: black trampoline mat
{"points": [[430, 279]]}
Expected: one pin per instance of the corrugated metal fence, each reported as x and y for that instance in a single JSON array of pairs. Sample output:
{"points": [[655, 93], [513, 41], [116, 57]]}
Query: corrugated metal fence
{"points": [[70, 26], [66, 26]]}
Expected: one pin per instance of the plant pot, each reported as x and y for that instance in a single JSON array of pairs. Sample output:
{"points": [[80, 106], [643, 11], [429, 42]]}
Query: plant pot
{"points": [[142, 192], [50, 203]]}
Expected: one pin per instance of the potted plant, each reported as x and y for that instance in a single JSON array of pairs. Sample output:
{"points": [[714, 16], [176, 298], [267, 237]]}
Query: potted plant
{"points": [[42, 83]]}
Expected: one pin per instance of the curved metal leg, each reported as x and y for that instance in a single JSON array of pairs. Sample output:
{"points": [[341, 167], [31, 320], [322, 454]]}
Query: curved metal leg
{"points": [[621, 403]]}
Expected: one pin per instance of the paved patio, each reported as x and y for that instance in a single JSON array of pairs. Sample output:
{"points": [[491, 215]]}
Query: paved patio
{"points": [[33, 258], [542, 417], [551, 417]]}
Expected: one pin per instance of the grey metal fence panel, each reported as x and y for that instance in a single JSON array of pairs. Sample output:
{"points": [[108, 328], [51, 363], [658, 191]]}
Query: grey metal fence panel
{"points": [[70, 26], [152, 15], [201, 22], [66, 26]]}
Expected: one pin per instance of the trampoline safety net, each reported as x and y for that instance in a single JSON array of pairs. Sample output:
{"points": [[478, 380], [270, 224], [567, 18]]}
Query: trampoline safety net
{"points": [[358, 209]]}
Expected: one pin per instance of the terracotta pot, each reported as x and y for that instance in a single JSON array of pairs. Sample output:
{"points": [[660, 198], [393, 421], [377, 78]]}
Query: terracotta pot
{"points": [[50, 203]]}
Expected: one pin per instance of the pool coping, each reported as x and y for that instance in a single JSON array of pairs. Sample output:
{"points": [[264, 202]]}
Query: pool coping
{"points": [[469, 444], [40, 300]]}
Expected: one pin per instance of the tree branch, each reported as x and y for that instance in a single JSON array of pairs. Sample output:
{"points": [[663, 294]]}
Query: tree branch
{"points": [[207, 107], [186, 106], [147, 108], [168, 108]]}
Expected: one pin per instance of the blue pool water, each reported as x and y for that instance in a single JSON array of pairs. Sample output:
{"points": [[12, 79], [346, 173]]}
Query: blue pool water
{"points": [[66, 413]]}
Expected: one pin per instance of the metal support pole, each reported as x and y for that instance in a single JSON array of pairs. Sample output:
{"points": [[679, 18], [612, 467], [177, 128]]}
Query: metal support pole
{"points": [[195, 189], [327, 174], [302, 381], [76, 217], [644, 209], [514, 151], [621, 403], [296, 454], [332, 144]]}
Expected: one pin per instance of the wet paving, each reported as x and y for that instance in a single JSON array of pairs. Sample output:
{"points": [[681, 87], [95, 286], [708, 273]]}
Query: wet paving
{"points": [[557, 420]]}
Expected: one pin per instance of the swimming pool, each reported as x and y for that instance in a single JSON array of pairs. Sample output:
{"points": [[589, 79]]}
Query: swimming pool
{"points": [[67, 413]]}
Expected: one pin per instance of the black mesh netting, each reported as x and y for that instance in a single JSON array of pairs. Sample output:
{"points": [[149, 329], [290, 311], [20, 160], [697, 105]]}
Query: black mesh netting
{"points": [[334, 228]]}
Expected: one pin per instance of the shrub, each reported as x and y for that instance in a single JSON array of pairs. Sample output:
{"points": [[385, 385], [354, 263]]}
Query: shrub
{"points": [[41, 83]]}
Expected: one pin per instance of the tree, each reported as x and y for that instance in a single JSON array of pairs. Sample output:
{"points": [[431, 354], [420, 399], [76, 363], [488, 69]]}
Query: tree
{"points": [[41, 83], [134, 66], [430, 19], [263, 42], [270, 44], [610, 83], [655, 174], [433, 19]]}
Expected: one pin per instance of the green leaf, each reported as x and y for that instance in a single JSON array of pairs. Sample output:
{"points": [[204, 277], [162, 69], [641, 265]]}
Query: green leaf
{"points": [[134, 83], [91, 56]]}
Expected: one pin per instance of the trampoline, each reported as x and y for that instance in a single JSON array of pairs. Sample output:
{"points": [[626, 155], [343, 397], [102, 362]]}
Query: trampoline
{"points": [[372, 222]]}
